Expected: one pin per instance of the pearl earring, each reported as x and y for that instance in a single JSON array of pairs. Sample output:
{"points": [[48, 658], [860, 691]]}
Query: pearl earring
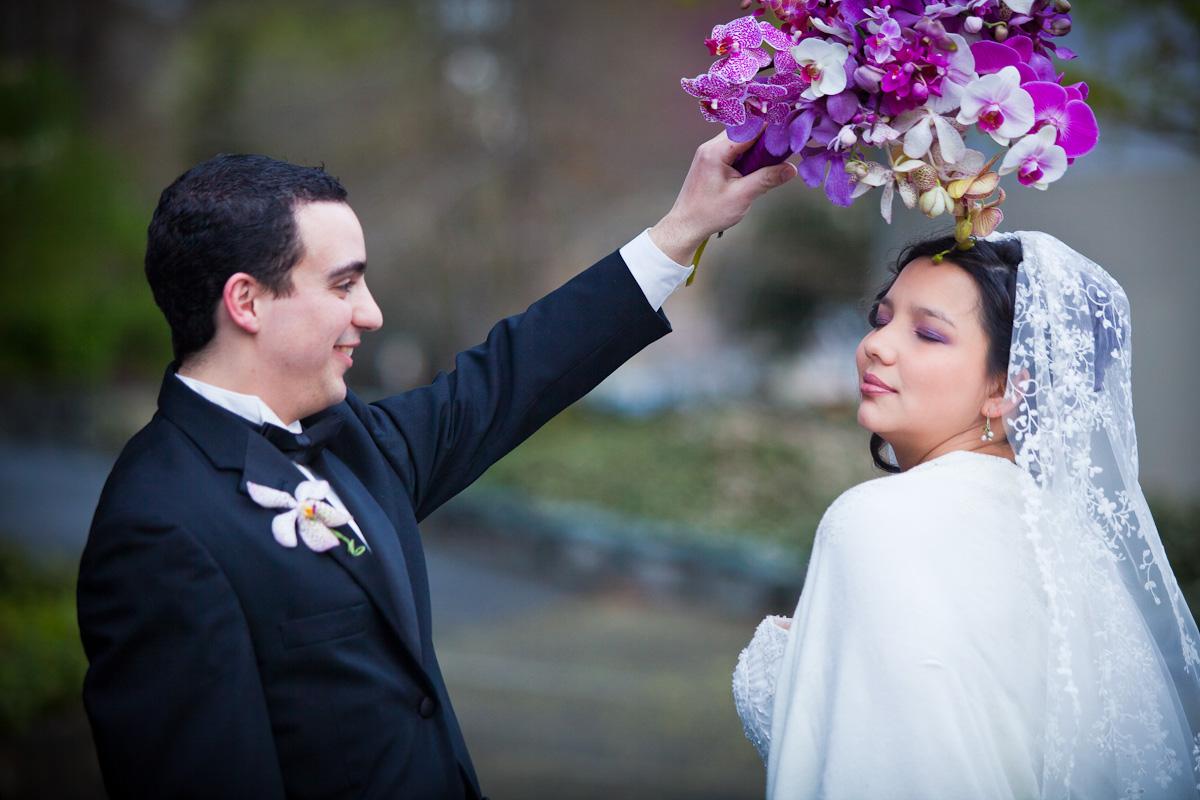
{"points": [[988, 434]]}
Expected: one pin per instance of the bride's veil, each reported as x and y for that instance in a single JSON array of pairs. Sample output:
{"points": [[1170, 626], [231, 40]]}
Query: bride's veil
{"points": [[1123, 695]]}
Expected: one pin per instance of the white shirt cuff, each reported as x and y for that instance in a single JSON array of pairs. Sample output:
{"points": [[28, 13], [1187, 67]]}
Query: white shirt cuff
{"points": [[653, 270]]}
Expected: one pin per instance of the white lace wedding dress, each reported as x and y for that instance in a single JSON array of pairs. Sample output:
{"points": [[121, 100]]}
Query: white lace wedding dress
{"points": [[915, 662]]}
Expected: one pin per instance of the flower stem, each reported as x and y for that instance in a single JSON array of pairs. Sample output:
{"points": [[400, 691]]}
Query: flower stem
{"points": [[696, 260], [354, 547]]}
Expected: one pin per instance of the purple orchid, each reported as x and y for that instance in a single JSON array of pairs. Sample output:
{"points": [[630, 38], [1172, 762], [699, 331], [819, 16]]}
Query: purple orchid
{"points": [[958, 73], [886, 39], [740, 46], [720, 100], [905, 77], [827, 168], [1066, 112], [999, 105]]}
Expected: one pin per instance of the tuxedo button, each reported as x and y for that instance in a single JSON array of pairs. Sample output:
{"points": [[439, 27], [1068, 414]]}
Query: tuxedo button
{"points": [[426, 708]]}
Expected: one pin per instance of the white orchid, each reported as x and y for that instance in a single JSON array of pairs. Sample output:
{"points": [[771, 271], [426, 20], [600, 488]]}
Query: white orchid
{"points": [[998, 104], [1037, 160], [869, 174], [309, 515], [821, 64], [919, 125]]}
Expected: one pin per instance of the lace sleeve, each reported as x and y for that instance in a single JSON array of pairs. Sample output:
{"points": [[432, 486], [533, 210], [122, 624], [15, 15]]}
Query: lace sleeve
{"points": [[754, 681]]}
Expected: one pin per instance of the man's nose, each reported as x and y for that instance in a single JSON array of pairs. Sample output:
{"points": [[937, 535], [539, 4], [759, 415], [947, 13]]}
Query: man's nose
{"points": [[367, 315]]}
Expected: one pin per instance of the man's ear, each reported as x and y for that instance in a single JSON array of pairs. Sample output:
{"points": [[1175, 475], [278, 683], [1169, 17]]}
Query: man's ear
{"points": [[239, 299]]}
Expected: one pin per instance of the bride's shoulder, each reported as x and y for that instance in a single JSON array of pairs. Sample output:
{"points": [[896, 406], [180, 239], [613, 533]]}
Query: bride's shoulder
{"points": [[954, 489]]}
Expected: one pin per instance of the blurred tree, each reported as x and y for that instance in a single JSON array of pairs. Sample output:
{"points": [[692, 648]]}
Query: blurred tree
{"points": [[807, 255], [71, 240], [1142, 64]]}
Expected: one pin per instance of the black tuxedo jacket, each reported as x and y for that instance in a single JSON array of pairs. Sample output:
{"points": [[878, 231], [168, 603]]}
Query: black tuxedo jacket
{"points": [[224, 665]]}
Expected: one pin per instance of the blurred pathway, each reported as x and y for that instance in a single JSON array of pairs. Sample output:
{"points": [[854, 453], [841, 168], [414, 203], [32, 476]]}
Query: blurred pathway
{"points": [[562, 691]]}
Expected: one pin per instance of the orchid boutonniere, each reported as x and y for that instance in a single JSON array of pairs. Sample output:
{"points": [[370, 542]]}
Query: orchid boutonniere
{"points": [[309, 516]]}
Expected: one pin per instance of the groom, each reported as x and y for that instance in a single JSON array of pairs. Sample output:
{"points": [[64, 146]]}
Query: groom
{"points": [[253, 598]]}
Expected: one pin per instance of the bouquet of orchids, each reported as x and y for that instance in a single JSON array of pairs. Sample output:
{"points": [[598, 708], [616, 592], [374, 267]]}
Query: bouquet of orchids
{"points": [[878, 93]]}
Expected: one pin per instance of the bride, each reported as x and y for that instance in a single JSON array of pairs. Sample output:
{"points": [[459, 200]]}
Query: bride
{"points": [[997, 619]]}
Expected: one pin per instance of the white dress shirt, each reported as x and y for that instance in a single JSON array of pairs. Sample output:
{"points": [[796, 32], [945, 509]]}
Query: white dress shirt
{"points": [[656, 274]]}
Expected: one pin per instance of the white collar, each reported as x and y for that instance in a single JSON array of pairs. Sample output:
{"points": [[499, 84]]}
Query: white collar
{"points": [[246, 406]]}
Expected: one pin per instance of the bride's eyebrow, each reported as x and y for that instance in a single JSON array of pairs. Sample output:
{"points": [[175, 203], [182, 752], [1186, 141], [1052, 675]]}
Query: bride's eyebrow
{"points": [[924, 311], [930, 312]]}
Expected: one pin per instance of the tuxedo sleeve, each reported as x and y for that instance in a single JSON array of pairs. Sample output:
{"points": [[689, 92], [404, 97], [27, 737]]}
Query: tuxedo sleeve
{"points": [[442, 436], [172, 690]]}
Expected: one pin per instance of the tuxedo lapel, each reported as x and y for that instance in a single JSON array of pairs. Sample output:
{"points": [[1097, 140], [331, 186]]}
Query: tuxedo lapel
{"points": [[232, 443], [382, 570]]}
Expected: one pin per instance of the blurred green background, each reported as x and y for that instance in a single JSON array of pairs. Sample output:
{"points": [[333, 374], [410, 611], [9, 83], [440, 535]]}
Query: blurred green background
{"points": [[492, 148]]}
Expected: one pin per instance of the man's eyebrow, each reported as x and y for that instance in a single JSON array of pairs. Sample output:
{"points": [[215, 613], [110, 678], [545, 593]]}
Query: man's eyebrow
{"points": [[353, 268], [923, 310]]}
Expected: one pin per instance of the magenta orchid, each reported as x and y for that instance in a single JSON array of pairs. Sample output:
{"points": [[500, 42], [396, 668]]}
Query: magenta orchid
{"points": [[907, 79], [1064, 110]]}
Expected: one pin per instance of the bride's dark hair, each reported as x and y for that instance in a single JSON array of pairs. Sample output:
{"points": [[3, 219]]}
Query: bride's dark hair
{"points": [[993, 266]]}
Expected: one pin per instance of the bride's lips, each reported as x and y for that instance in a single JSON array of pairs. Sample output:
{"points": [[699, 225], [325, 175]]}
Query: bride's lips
{"points": [[872, 386]]}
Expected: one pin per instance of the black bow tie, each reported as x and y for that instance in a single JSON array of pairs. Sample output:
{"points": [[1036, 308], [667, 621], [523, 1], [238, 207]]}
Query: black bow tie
{"points": [[306, 446]]}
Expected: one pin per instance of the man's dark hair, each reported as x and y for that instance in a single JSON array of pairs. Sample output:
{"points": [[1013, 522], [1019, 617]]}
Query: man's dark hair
{"points": [[993, 267], [232, 213]]}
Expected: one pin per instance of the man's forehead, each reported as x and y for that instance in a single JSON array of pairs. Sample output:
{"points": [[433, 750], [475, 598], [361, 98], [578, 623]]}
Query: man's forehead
{"points": [[330, 231]]}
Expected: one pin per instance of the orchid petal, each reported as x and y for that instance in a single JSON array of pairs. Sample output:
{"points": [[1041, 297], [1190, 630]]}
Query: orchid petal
{"points": [[800, 129], [992, 57], [283, 528], [843, 106], [909, 118], [1022, 44], [268, 497], [777, 140], [745, 132], [838, 184], [812, 168], [1080, 132], [860, 188], [949, 140], [885, 202], [316, 535], [312, 490], [331, 516], [1048, 98], [1028, 73], [918, 139]]}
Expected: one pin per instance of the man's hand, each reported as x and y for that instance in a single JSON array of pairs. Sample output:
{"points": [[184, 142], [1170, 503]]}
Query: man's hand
{"points": [[714, 197]]}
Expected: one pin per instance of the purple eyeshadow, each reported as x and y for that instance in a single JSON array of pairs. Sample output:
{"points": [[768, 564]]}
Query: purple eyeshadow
{"points": [[932, 335]]}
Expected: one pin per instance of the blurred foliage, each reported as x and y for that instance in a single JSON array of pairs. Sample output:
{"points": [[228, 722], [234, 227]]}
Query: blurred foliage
{"points": [[71, 242], [739, 471], [41, 658], [735, 471], [807, 254], [1142, 64]]}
